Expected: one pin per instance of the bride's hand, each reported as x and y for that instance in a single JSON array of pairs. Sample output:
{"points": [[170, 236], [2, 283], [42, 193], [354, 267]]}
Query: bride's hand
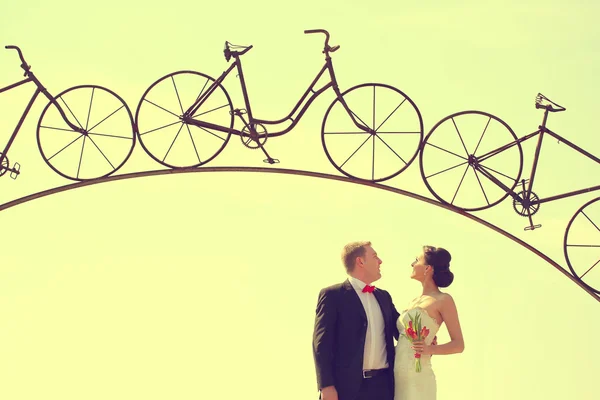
{"points": [[422, 348]]}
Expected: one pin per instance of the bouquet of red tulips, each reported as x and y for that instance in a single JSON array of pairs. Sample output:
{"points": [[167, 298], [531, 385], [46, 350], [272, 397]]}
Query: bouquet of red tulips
{"points": [[415, 332]]}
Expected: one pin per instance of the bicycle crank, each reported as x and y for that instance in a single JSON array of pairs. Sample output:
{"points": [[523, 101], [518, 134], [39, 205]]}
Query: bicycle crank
{"points": [[527, 207], [5, 166], [254, 137]]}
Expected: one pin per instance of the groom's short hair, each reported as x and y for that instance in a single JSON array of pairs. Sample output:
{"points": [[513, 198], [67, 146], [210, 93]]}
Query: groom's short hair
{"points": [[351, 251]]}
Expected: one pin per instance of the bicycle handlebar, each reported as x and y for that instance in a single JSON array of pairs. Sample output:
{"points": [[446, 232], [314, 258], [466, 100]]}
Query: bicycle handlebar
{"points": [[246, 50], [327, 47], [23, 62]]}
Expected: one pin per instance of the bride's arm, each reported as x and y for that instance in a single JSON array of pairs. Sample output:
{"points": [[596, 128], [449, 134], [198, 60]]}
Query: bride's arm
{"points": [[450, 317]]}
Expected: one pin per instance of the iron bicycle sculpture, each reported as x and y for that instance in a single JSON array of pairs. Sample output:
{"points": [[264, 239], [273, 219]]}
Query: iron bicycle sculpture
{"points": [[57, 135], [375, 112], [464, 139], [207, 112]]}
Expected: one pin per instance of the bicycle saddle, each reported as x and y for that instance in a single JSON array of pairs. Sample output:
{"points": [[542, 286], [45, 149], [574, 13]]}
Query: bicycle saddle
{"points": [[542, 101], [231, 50]]}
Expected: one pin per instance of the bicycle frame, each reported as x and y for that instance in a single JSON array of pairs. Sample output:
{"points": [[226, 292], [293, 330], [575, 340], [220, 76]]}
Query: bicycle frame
{"points": [[191, 111], [527, 190], [39, 89]]}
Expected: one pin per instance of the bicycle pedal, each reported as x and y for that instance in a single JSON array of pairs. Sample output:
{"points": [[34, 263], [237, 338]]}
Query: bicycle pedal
{"points": [[238, 111], [532, 227], [271, 161], [16, 170]]}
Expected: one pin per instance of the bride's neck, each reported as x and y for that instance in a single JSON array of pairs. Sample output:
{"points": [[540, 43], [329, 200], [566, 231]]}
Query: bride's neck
{"points": [[429, 288]]}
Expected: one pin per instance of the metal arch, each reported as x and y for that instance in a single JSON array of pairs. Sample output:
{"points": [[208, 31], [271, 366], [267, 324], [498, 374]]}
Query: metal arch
{"points": [[415, 196]]}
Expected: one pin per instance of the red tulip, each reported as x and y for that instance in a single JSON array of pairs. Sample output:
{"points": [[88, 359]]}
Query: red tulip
{"points": [[417, 355]]}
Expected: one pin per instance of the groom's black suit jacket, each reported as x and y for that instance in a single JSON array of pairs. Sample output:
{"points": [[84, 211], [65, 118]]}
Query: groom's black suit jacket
{"points": [[339, 337]]}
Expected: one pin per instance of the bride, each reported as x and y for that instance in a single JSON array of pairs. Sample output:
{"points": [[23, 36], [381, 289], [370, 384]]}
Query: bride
{"points": [[434, 308]]}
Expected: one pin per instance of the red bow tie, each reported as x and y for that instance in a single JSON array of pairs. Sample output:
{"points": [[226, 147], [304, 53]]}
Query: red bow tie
{"points": [[368, 289]]}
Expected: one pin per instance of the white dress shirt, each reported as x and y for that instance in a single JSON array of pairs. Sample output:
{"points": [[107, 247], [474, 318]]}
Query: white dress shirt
{"points": [[375, 355]]}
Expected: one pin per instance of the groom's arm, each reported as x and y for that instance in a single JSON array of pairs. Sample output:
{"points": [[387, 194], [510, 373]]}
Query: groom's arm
{"points": [[323, 337], [395, 316]]}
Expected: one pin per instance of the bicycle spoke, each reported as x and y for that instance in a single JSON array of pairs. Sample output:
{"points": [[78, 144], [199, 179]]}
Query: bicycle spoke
{"points": [[101, 152], [592, 222], [373, 127], [498, 172], [583, 245], [459, 185], [209, 111], [112, 136], [177, 93], [388, 146], [207, 131], [162, 127], [345, 133], [109, 115], [596, 263], [447, 169], [58, 129], [352, 155], [162, 108], [193, 143], [81, 157], [173, 142], [447, 151], [481, 138], [403, 133], [79, 137], [373, 166], [389, 116], [202, 91], [68, 108], [481, 186], [460, 136], [89, 109]]}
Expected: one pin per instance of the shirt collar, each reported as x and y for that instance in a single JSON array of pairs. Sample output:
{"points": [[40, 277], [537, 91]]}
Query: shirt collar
{"points": [[357, 283]]}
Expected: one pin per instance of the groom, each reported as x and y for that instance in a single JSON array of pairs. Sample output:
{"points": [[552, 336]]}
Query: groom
{"points": [[355, 324]]}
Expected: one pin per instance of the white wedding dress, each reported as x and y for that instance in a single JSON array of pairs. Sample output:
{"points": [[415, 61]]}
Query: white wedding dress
{"points": [[409, 384]]}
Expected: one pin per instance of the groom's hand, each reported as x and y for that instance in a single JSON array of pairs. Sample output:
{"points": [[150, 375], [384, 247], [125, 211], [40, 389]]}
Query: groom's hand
{"points": [[329, 393]]}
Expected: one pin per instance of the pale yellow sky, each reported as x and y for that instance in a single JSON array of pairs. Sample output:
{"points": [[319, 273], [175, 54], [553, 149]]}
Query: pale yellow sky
{"points": [[197, 285]]}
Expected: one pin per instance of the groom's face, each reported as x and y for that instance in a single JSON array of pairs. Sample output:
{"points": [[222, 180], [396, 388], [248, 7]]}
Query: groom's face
{"points": [[372, 264]]}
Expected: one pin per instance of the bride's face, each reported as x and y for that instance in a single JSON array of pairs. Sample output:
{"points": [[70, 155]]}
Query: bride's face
{"points": [[419, 268]]}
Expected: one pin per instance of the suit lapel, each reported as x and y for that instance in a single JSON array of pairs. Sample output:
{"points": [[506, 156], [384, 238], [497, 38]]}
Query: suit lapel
{"points": [[353, 299], [382, 305]]}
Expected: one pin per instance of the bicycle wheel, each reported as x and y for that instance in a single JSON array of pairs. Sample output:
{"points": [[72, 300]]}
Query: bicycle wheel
{"points": [[582, 244], [164, 134], [465, 155], [108, 134], [397, 131]]}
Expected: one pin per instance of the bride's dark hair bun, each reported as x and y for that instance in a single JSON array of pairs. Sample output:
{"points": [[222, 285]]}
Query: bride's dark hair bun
{"points": [[439, 259]]}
